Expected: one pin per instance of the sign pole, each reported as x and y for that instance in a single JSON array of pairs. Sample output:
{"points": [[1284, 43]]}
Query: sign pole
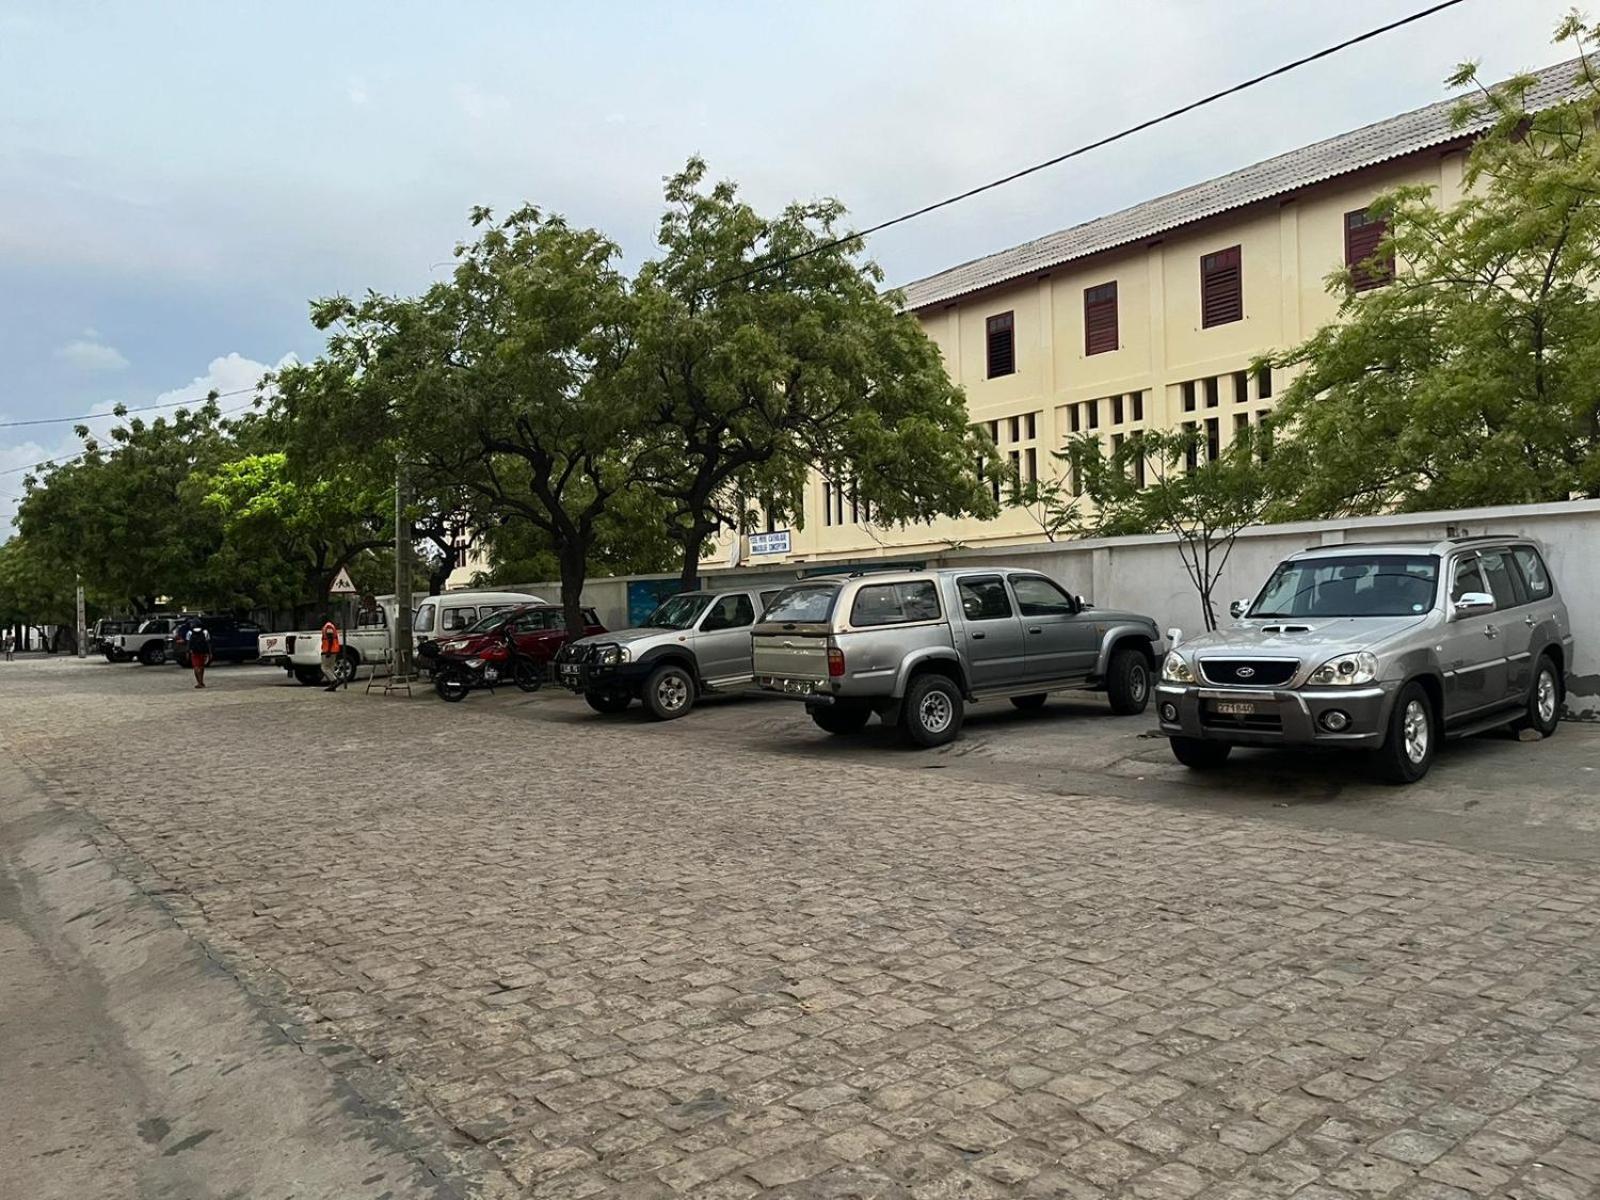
{"points": [[400, 668], [83, 632]]}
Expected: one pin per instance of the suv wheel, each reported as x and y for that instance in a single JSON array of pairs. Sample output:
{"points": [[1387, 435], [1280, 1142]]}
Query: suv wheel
{"points": [[842, 718], [153, 655], [1029, 703], [1128, 682], [931, 714], [1544, 701], [1413, 737], [669, 692], [608, 702], [1200, 755]]}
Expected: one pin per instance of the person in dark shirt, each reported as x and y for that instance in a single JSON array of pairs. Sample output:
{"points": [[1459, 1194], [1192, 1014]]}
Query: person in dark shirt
{"points": [[199, 652]]}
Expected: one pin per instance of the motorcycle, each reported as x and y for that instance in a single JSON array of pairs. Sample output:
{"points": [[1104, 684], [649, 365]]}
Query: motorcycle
{"points": [[456, 675]]}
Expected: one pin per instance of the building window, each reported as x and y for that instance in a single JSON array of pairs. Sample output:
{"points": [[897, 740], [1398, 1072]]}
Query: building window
{"points": [[1016, 473], [1362, 235], [1241, 422], [1213, 391], [1094, 413], [1074, 418], [1138, 406], [1100, 319], [1002, 346], [1030, 426], [1138, 471], [1188, 395], [1264, 383], [994, 432], [1117, 411], [1241, 387], [1221, 288], [1213, 439], [1031, 459], [1191, 450], [1016, 429]]}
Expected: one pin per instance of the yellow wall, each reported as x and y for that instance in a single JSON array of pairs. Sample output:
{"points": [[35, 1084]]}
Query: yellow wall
{"points": [[1288, 248]]}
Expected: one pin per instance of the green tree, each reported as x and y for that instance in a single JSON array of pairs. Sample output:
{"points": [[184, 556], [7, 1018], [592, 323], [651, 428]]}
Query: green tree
{"points": [[1159, 481], [1469, 379], [120, 516], [763, 350], [37, 588]]}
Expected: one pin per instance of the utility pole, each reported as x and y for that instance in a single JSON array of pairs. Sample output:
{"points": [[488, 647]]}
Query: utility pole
{"points": [[83, 632], [400, 668]]}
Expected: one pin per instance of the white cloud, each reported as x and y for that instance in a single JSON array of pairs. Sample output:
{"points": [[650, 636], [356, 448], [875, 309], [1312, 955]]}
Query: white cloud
{"points": [[230, 373], [88, 354], [478, 104]]}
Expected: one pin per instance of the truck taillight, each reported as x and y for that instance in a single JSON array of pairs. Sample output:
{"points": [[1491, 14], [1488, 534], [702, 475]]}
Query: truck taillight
{"points": [[835, 662]]}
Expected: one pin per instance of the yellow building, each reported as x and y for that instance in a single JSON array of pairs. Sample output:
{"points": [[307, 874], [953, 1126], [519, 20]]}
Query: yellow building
{"points": [[1146, 318]]}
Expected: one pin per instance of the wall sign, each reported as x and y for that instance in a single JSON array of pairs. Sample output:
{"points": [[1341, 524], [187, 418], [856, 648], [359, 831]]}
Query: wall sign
{"points": [[769, 543]]}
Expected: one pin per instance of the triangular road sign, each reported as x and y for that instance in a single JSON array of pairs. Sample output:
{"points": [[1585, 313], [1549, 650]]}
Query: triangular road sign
{"points": [[342, 585]]}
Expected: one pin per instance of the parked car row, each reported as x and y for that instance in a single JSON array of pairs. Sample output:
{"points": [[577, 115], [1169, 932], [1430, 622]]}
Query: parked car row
{"points": [[1389, 648]]}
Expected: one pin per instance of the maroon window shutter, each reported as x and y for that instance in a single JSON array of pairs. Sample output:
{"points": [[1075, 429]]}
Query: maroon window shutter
{"points": [[1362, 234], [1221, 288], [1002, 345], [1100, 319]]}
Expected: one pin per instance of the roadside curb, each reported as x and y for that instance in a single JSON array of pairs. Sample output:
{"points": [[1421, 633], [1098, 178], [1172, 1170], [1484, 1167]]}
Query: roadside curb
{"points": [[279, 1111]]}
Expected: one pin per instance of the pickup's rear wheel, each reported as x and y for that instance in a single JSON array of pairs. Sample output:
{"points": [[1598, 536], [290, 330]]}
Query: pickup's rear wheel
{"points": [[345, 670], [1029, 703], [932, 712], [842, 718], [1128, 682], [609, 703], [1200, 755], [669, 692], [1543, 713], [153, 654], [309, 676]]}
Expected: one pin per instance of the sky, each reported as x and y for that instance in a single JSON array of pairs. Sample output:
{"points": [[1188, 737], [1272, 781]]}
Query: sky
{"points": [[177, 181]]}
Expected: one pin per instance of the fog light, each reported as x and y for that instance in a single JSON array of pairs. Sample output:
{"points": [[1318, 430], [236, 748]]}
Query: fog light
{"points": [[1335, 720], [1169, 711]]}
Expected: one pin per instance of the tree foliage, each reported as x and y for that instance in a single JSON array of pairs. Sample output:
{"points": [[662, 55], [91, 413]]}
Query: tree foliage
{"points": [[763, 350], [1469, 378]]}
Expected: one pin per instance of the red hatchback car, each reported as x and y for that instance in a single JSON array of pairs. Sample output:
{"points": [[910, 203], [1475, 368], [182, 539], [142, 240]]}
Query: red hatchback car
{"points": [[539, 629]]}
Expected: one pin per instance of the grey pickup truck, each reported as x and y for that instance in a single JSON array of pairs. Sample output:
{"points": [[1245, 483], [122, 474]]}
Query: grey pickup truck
{"points": [[916, 647]]}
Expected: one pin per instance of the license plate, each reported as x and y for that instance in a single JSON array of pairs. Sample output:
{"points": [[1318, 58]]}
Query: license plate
{"points": [[1235, 708], [569, 670]]}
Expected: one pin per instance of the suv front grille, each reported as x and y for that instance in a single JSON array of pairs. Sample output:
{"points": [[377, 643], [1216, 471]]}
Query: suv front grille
{"points": [[1248, 672]]}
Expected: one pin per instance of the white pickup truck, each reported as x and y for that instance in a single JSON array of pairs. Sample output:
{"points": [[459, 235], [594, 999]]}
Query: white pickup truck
{"points": [[148, 644], [300, 653]]}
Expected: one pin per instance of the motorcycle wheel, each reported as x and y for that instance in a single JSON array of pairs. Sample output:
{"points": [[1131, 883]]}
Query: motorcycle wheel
{"points": [[451, 687], [528, 675]]}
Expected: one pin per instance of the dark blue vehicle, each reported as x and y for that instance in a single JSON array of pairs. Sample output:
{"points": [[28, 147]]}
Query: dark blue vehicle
{"points": [[232, 640]]}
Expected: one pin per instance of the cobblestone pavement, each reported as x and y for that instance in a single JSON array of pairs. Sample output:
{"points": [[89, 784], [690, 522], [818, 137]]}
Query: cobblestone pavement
{"points": [[634, 964]]}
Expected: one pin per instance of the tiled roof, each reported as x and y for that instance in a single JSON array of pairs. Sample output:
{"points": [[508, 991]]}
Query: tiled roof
{"points": [[1364, 147]]}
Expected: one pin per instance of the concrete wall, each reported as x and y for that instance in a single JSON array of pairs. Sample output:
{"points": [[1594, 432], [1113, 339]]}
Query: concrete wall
{"points": [[1146, 573]]}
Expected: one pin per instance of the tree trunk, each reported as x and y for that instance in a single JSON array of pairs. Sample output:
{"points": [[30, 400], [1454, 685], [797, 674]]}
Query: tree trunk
{"points": [[438, 576], [574, 571], [689, 573]]}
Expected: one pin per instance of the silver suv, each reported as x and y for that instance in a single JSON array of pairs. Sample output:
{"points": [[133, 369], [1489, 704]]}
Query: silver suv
{"points": [[1387, 647], [693, 643], [916, 646]]}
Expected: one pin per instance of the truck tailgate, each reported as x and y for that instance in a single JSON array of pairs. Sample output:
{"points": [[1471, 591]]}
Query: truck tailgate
{"points": [[782, 656]]}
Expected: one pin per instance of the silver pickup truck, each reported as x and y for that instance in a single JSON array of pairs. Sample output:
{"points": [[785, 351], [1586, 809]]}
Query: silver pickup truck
{"points": [[915, 647]]}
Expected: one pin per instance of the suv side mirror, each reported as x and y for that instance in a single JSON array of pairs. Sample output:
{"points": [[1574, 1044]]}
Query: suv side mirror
{"points": [[1238, 609], [1079, 604], [1472, 602]]}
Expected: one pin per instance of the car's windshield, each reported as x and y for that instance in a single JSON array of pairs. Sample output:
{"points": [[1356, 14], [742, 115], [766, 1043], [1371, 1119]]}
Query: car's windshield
{"points": [[679, 612], [803, 602], [488, 621], [1377, 585]]}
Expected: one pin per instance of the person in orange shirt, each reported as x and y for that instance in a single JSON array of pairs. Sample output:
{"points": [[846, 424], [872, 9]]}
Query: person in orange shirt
{"points": [[330, 654]]}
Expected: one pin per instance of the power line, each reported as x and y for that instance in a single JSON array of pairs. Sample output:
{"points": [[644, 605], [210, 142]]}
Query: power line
{"points": [[61, 462], [1127, 132], [126, 411]]}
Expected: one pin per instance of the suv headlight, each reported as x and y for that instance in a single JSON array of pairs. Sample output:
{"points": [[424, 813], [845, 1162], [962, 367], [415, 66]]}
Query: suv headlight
{"points": [[611, 655], [453, 646], [1346, 670], [1175, 669]]}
